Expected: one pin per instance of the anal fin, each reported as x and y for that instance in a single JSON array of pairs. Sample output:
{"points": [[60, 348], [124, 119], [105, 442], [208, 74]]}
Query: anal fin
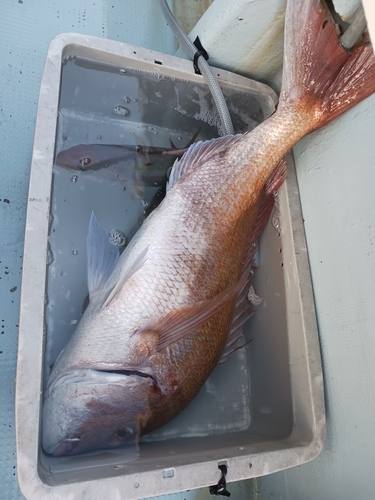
{"points": [[275, 181]]}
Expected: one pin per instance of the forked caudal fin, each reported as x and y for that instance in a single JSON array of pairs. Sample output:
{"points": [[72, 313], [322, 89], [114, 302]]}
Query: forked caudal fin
{"points": [[319, 75]]}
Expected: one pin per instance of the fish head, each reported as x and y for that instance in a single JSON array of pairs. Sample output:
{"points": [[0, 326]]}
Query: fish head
{"points": [[87, 409], [79, 157]]}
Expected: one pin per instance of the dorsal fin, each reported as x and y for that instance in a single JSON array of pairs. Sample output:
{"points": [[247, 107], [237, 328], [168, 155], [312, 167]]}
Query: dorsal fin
{"points": [[199, 153]]}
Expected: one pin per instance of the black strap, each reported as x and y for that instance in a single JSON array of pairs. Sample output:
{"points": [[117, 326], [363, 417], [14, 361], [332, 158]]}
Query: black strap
{"points": [[200, 52], [220, 487]]}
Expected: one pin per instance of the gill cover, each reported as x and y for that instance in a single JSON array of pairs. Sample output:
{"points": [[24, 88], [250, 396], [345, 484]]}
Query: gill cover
{"points": [[85, 410]]}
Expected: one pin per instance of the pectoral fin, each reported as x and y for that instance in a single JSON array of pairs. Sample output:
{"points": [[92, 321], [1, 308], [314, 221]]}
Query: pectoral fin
{"points": [[126, 274], [101, 256], [177, 324]]}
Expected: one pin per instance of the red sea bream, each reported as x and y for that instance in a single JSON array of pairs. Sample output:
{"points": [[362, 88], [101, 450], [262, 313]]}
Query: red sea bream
{"points": [[163, 313]]}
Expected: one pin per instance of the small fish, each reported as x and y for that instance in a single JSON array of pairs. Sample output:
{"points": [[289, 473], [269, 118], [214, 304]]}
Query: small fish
{"points": [[163, 314], [152, 163], [94, 157]]}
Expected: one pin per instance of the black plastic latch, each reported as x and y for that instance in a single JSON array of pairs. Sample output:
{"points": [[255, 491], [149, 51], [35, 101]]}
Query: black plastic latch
{"points": [[221, 487]]}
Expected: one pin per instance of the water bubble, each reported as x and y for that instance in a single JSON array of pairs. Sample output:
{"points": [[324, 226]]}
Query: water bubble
{"points": [[153, 130], [179, 138], [117, 238], [74, 178], [50, 258], [276, 215], [126, 99], [255, 261], [253, 297], [84, 162], [68, 57], [276, 222], [121, 110], [276, 198], [180, 110], [145, 203], [75, 252], [122, 71]]}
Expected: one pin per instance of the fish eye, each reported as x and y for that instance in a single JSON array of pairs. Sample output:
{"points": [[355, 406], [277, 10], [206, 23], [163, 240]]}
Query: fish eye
{"points": [[84, 162], [123, 434]]}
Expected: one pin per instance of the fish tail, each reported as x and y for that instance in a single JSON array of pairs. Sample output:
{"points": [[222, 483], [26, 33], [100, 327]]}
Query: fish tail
{"points": [[320, 78]]}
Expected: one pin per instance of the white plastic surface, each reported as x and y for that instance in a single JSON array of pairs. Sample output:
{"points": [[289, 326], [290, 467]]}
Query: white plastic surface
{"points": [[369, 8], [245, 37]]}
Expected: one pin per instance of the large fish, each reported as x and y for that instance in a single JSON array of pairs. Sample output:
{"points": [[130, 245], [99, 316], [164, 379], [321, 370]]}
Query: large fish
{"points": [[161, 316]]}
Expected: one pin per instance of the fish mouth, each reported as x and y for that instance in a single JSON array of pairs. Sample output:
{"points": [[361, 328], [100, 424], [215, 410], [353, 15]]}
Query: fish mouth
{"points": [[75, 376], [129, 373], [65, 447]]}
